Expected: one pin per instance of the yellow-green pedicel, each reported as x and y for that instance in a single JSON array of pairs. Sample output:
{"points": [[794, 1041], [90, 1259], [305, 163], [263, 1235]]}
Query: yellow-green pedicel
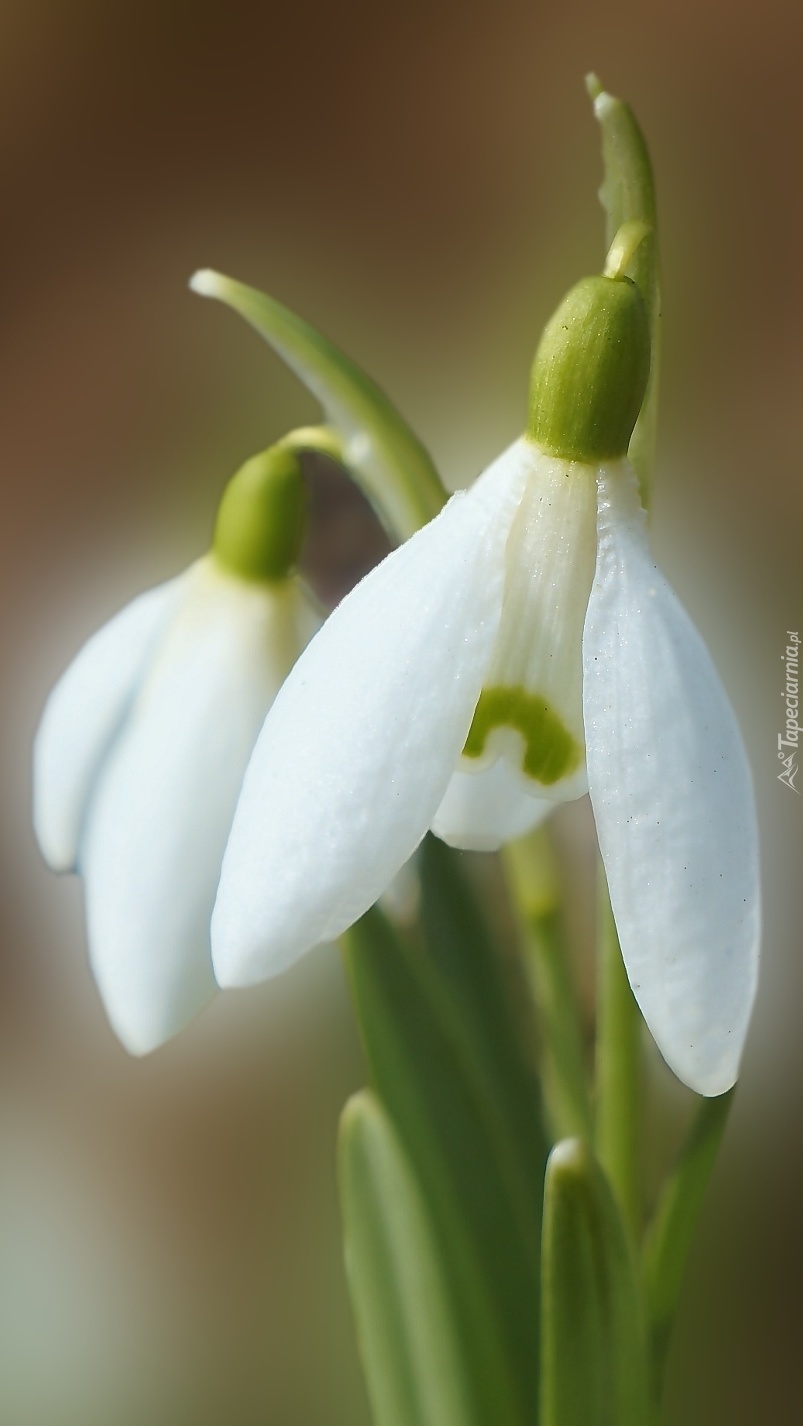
{"points": [[590, 372]]}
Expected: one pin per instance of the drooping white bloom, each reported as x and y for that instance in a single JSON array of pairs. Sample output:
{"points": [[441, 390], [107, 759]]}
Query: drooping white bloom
{"points": [[138, 763], [521, 648]]}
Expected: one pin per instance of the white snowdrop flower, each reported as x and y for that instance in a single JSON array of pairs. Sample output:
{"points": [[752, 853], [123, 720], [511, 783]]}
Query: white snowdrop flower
{"points": [[518, 650], [142, 747]]}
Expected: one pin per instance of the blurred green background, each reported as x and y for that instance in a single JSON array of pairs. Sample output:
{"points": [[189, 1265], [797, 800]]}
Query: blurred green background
{"points": [[420, 182]]}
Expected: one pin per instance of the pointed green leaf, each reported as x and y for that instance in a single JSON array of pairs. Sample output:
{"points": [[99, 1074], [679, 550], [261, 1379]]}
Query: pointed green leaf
{"points": [[628, 195], [412, 1354], [672, 1229], [594, 1358], [385, 456], [482, 987], [427, 1079]]}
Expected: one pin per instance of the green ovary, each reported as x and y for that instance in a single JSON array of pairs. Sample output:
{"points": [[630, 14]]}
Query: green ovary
{"points": [[550, 751]]}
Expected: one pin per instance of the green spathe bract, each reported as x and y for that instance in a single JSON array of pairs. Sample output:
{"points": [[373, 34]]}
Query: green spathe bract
{"points": [[550, 750], [383, 454], [628, 194], [261, 520], [590, 372]]}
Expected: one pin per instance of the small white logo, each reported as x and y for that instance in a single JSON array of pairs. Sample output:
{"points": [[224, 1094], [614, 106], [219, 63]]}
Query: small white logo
{"points": [[788, 745]]}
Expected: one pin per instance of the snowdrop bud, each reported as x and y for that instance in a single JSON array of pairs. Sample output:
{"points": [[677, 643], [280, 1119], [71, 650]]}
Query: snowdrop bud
{"points": [[590, 372], [262, 516]]}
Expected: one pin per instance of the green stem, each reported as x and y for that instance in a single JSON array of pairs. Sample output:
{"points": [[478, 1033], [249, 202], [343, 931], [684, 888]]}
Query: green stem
{"points": [[618, 1069], [670, 1234], [567, 1095], [531, 877]]}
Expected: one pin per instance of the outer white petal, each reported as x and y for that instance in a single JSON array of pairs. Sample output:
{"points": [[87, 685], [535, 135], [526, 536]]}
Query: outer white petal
{"points": [[673, 802], [83, 715], [159, 820], [355, 757], [483, 810]]}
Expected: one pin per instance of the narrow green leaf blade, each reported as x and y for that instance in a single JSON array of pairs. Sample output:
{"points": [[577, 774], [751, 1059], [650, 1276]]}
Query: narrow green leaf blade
{"points": [[594, 1358], [481, 987], [628, 195], [670, 1235], [440, 1108], [386, 457], [411, 1350]]}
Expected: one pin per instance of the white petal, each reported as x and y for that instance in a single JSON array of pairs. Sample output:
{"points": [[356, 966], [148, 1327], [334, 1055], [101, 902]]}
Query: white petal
{"points": [[673, 802], [483, 810], [355, 757], [159, 820], [83, 715]]}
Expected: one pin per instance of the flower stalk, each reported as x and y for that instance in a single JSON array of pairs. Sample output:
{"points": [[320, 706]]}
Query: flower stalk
{"points": [[531, 877], [618, 1092], [668, 1241]]}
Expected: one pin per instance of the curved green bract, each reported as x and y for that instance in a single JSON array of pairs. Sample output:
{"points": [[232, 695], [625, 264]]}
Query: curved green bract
{"points": [[550, 750], [384, 455], [627, 195]]}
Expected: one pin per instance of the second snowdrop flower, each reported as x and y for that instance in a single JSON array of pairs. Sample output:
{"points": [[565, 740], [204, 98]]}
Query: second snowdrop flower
{"points": [[143, 745], [518, 650]]}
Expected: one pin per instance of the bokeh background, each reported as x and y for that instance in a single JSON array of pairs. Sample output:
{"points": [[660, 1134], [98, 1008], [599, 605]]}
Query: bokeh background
{"points": [[420, 182]]}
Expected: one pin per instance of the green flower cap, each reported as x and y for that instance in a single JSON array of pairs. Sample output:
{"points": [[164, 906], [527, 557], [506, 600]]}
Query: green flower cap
{"points": [[591, 368], [262, 517]]}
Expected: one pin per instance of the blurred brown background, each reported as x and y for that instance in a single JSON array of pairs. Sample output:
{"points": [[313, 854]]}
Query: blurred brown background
{"points": [[420, 182]]}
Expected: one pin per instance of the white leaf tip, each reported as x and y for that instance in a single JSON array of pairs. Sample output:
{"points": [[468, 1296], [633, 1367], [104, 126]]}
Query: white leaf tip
{"points": [[206, 282], [603, 104], [568, 1157]]}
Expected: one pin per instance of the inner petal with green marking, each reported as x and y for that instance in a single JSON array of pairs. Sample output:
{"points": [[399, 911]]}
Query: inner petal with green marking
{"points": [[530, 711], [550, 750]]}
